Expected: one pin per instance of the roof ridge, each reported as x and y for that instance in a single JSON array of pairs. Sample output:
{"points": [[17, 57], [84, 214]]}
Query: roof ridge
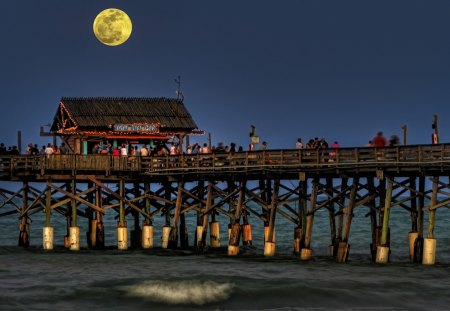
{"points": [[117, 98]]}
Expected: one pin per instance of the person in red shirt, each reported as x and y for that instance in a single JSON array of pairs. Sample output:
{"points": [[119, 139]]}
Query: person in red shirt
{"points": [[379, 140]]}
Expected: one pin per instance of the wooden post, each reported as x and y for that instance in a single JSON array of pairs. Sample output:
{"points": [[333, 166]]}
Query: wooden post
{"points": [[382, 199], [184, 237], [341, 214], [24, 227], [48, 207], [203, 244], [147, 227], [19, 141], [383, 249], [168, 197], [92, 223], [429, 244], [334, 244], [47, 237], [147, 220], [306, 252], [343, 251], [173, 241], [199, 228], [373, 219], [418, 244], [136, 233], [269, 246], [413, 234], [68, 218], [233, 245], [100, 232], [122, 230], [299, 231], [168, 205], [404, 128], [386, 212], [74, 230], [121, 203], [73, 204], [231, 207], [432, 214]]}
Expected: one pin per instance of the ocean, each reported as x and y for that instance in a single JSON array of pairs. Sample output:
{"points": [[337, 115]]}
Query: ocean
{"points": [[159, 279]]}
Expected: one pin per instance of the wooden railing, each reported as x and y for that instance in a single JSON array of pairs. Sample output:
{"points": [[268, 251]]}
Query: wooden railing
{"points": [[414, 155]]}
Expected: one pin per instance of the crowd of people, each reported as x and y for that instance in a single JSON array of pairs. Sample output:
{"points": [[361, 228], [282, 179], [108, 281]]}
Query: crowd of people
{"points": [[160, 149], [11, 150]]}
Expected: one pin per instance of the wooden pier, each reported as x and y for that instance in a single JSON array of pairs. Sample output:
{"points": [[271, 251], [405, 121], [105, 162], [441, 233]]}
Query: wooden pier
{"points": [[293, 184]]}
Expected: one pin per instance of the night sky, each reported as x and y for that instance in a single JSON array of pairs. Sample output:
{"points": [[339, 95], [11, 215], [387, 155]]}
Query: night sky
{"points": [[341, 70]]}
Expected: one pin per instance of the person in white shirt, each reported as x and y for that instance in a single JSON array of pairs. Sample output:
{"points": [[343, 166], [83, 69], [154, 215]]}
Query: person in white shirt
{"points": [[49, 150], [299, 144], [123, 150]]}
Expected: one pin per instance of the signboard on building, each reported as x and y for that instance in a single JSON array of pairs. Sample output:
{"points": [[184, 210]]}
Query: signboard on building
{"points": [[135, 128]]}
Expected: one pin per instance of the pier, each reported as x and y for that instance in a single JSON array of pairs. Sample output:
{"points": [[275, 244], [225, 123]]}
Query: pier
{"points": [[293, 184]]}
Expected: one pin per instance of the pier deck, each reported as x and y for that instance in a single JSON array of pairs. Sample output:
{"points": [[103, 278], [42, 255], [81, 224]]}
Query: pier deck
{"points": [[284, 164]]}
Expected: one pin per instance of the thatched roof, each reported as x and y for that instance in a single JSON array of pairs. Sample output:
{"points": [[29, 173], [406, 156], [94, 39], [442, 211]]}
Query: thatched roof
{"points": [[101, 113]]}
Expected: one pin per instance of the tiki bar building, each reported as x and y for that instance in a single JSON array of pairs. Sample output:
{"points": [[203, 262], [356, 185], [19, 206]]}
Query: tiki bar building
{"points": [[83, 122]]}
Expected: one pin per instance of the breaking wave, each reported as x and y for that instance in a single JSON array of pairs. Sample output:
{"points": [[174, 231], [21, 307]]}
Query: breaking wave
{"points": [[182, 292]]}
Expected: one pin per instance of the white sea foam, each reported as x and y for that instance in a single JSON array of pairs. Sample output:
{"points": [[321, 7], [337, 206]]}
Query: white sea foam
{"points": [[182, 292]]}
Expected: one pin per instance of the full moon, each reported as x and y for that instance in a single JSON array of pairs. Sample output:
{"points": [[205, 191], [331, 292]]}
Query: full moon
{"points": [[112, 27]]}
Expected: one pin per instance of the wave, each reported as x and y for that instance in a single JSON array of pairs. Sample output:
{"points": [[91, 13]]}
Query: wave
{"points": [[181, 292]]}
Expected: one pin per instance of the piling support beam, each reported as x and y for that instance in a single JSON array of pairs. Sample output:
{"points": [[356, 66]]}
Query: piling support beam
{"points": [[92, 222], [269, 245], [74, 230], [199, 227], [413, 234], [203, 230], [167, 228], [122, 230], [306, 251], [418, 243], [48, 238], [340, 227], [233, 245], [429, 244], [137, 232], [173, 240], [383, 248], [373, 219], [344, 247], [300, 231], [24, 226], [334, 244], [99, 242], [147, 226]]}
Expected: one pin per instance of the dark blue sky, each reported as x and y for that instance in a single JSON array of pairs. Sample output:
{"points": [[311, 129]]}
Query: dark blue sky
{"points": [[341, 70]]}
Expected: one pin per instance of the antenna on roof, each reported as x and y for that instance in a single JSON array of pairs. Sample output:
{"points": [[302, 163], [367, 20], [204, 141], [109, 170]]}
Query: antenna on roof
{"points": [[179, 92]]}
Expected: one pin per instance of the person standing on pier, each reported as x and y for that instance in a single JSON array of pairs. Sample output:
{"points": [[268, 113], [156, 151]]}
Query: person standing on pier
{"points": [[49, 150], [379, 140], [263, 146], [299, 144], [144, 151], [63, 148], [334, 146], [124, 150]]}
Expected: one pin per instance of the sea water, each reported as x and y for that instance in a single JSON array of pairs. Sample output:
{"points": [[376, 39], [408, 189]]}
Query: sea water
{"points": [[157, 279]]}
